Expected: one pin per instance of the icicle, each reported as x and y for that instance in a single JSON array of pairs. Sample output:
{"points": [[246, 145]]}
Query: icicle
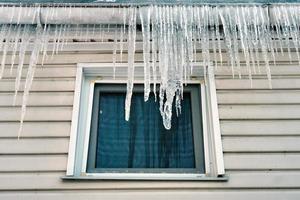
{"points": [[15, 47], [218, 35], [171, 35], [2, 35], [45, 43], [101, 33], [114, 54], [12, 14], [59, 39], [146, 50], [227, 38], [86, 37], [22, 51], [64, 39], [30, 73], [93, 30], [6, 44], [19, 15], [263, 46], [154, 47], [122, 35], [54, 40], [213, 41], [131, 52], [121, 44]]}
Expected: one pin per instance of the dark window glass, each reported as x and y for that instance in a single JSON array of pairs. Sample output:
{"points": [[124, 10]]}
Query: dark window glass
{"points": [[142, 142]]}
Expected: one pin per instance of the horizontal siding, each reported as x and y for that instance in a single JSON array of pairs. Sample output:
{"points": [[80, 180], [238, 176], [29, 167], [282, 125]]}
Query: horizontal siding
{"points": [[35, 129], [260, 127], [63, 71], [282, 69], [262, 161], [107, 56], [39, 99], [259, 111], [158, 195], [36, 113], [37, 163], [233, 161], [259, 97], [237, 179], [230, 144], [69, 70], [260, 135], [261, 144], [34, 146], [46, 85], [245, 84]]}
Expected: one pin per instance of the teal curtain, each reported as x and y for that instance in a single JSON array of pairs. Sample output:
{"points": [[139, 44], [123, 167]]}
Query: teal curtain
{"points": [[142, 142]]}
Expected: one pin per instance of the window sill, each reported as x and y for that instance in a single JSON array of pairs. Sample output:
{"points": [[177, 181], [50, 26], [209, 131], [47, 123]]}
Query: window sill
{"points": [[145, 177]]}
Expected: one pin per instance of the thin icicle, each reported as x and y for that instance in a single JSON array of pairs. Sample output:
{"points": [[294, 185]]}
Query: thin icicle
{"points": [[45, 43], [122, 34], [15, 47], [145, 20], [54, 42], [60, 32], [22, 51], [30, 73], [114, 54], [4, 53], [154, 48], [121, 44]]}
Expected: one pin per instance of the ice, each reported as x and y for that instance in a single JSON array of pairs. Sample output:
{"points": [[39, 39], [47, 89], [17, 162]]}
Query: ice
{"points": [[5, 47], [131, 52], [46, 43], [23, 46], [60, 32], [122, 34], [175, 38], [154, 48], [86, 37], [56, 33], [15, 46], [115, 53], [145, 21], [30, 73]]}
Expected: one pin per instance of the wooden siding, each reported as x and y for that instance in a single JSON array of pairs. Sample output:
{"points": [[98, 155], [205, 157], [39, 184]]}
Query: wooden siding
{"points": [[260, 134]]}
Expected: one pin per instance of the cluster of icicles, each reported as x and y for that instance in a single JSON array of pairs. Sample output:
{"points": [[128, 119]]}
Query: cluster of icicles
{"points": [[173, 37]]}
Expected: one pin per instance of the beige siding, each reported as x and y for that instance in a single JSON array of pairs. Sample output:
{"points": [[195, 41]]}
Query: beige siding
{"points": [[260, 134], [157, 194]]}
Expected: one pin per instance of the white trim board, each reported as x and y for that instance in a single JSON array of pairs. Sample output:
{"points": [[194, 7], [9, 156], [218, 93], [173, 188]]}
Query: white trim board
{"points": [[90, 73]]}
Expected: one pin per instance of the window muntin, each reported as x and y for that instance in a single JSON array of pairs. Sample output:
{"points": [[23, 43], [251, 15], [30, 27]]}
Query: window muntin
{"points": [[111, 148]]}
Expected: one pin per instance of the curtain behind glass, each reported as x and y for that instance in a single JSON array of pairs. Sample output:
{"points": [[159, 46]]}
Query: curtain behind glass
{"points": [[143, 142]]}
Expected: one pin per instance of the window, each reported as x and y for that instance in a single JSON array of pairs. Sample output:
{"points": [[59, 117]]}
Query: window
{"points": [[105, 146], [143, 144]]}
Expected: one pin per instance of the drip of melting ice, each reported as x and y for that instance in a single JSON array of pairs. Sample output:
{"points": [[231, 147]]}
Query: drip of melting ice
{"points": [[174, 38]]}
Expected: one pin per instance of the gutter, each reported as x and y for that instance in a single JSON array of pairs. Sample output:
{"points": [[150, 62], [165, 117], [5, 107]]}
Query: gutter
{"points": [[75, 14]]}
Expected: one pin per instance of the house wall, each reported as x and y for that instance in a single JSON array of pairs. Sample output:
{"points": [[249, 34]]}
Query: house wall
{"points": [[260, 134]]}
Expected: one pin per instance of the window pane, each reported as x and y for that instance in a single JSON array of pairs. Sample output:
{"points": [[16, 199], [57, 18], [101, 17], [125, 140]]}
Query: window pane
{"points": [[142, 142]]}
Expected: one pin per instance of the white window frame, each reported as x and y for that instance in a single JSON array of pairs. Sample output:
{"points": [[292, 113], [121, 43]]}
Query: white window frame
{"points": [[90, 73]]}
